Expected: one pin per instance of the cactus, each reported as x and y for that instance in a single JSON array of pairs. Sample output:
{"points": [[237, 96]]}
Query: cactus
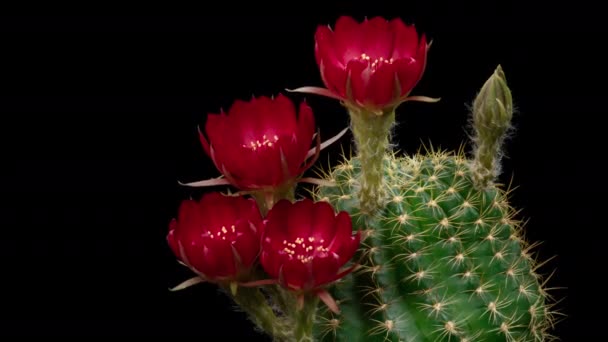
{"points": [[397, 247], [444, 257]]}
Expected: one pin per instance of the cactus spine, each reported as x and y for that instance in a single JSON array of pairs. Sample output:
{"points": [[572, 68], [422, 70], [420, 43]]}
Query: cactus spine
{"points": [[444, 256]]}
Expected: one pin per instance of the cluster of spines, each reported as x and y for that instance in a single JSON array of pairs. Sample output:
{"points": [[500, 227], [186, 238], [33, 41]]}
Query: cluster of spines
{"points": [[442, 249]]}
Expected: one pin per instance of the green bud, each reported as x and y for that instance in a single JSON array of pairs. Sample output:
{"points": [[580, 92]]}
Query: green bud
{"points": [[493, 106], [492, 114]]}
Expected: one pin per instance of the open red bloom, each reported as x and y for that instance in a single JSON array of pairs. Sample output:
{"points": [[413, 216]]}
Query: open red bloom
{"points": [[260, 143], [372, 64], [218, 237], [305, 244]]}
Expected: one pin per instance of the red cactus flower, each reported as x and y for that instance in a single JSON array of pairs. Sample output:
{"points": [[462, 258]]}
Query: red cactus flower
{"points": [[305, 245], [373, 64], [217, 237], [260, 143]]}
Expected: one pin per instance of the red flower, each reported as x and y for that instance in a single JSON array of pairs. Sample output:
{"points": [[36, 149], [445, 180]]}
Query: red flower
{"points": [[373, 64], [305, 245], [260, 143], [218, 237]]}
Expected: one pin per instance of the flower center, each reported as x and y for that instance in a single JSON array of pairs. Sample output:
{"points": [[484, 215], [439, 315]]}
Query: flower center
{"points": [[222, 233], [304, 249], [266, 141], [375, 63]]}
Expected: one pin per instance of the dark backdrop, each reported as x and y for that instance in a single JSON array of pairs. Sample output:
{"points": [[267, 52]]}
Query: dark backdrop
{"points": [[98, 123]]}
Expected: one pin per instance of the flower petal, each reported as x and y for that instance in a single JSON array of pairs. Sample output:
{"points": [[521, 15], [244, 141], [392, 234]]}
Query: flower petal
{"points": [[218, 210], [347, 39], [331, 65], [281, 114], [271, 262], [171, 239], [317, 91], [277, 222], [220, 258], [408, 74], [377, 38], [381, 91], [297, 151], [188, 215], [343, 233], [325, 47], [359, 73], [405, 39], [325, 268], [323, 222], [295, 274], [299, 220], [246, 244]]}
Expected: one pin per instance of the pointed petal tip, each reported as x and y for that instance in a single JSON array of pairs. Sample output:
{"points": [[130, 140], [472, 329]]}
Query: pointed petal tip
{"points": [[328, 300], [206, 183], [186, 284], [328, 142], [426, 99], [316, 91]]}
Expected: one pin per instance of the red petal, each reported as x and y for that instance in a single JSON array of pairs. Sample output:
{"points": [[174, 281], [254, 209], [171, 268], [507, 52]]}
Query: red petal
{"points": [[216, 127], [296, 275], [377, 38], [405, 39], [325, 47], [328, 300], [347, 39], [171, 240], [276, 222], [247, 244], [218, 210], [343, 234], [204, 143], [359, 79], [263, 116], [421, 57], [331, 65], [334, 78], [381, 90], [221, 258], [204, 262], [325, 268], [299, 220], [224, 142], [281, 114], [323, 222], [248, 208], [188, 216], [271, 262], [298, 149], [408, 74]]}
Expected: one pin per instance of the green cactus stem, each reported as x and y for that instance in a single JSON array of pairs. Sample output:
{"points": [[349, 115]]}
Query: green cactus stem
{"points": [[442, 260], [372, 140], [492, 114]]}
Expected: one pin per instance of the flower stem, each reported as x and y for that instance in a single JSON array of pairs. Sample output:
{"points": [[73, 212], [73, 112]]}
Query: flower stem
{"points": [[266, 198], [253, 302], [305, 318], [372, 139]]}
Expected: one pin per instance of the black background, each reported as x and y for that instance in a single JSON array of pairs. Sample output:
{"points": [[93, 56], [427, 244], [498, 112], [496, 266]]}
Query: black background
{"points": [[98, 123]]}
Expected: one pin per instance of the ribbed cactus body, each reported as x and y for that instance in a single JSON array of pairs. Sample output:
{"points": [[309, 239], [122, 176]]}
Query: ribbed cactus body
{"points": [[444, 260]]}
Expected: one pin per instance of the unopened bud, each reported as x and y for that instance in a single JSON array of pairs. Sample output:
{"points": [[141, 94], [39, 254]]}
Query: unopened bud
{"points": [[493, 106], [492, 114]]}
